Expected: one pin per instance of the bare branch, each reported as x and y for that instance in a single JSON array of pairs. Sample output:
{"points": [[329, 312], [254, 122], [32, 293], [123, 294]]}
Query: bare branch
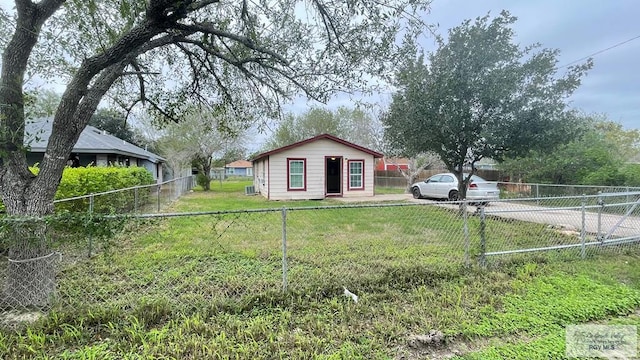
{"points": [[161, 110], [328, 24], [139, 74], [202, 4], [209, 28]]}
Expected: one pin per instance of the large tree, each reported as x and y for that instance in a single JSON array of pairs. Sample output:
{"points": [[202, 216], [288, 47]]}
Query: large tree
{"points": [[480, 95], [198, 139], [163, 52]]}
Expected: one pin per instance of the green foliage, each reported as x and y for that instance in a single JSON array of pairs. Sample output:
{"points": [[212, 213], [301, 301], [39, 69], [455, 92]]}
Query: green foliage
{"points": [[91, 180], [632, 174], [203, 181], [353, 125], [481, 95], [64, 230], [40, 103], [114, 123], [595, 157]]}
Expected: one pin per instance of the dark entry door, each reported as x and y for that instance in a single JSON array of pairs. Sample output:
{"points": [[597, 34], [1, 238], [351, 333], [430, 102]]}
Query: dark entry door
{"points": [[333, 175]]}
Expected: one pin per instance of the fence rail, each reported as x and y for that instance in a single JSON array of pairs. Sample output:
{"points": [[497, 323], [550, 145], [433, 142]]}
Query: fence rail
{"points": [[208, 257]]}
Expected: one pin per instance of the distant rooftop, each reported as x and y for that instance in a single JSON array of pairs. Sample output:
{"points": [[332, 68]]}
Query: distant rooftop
{"points": [[239, 164]]}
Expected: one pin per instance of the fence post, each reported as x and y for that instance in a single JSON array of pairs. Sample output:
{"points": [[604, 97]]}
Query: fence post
{"points": [[601, 204], [628, 200], [284, 249], [583, 233], [483, 238], [90, 224], [465, 229], [158, 192], [135, 199], [537, 194]]}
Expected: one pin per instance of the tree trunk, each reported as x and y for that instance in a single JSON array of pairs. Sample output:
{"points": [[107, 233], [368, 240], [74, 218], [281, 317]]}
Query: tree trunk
{"points": [[31, 269], [30, 276], [206, 172], [462, 184]]}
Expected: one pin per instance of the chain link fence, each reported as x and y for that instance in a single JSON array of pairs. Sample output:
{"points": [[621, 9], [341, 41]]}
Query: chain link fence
{"points": [[532, 190], [137, 199], [234, 260]]}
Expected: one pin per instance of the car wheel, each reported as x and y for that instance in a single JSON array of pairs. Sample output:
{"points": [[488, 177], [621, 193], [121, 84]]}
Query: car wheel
{"points": [[453, 195], [416, 193]]}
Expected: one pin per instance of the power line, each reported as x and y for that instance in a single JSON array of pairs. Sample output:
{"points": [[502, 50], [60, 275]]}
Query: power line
{"points": [[600, 51]]}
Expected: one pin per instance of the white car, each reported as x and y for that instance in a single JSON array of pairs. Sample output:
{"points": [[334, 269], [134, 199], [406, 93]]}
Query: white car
{"points": [[445, 186]]}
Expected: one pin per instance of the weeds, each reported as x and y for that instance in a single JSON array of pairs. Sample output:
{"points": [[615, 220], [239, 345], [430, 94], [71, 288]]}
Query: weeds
{"points": [[186, 288]]}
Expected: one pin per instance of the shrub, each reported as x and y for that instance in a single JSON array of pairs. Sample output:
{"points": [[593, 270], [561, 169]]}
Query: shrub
{"points": [[632, 174], [91, 180], [202, 180], [605, 176]]}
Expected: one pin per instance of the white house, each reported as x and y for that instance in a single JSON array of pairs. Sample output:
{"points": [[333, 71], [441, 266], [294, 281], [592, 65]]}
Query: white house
{"points": [[315, 168]]}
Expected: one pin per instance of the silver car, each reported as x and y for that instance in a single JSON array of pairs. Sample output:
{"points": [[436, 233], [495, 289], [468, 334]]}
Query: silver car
{"points": [[445, 186]]}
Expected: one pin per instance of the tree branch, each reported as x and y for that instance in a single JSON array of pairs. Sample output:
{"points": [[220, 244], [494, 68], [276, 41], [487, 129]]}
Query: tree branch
{"points": [[328, 24], [138, 74], [208, 28]]}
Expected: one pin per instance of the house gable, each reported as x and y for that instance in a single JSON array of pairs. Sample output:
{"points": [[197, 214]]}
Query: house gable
{"points": [[375, 154]]}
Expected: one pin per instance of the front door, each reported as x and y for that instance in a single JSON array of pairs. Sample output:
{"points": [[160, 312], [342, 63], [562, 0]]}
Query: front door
{"points": [[333, 175]]}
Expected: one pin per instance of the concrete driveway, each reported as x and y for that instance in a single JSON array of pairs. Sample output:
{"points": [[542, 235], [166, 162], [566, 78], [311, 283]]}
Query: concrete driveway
{"points": [[612, 224]]}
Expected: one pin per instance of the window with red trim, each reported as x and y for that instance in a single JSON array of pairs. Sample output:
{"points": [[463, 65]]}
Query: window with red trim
{"points": [[356, 174], [296, 170]]}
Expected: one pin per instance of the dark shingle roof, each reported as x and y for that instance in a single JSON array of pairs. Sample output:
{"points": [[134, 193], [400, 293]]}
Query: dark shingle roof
{"points": [[91, 141]]}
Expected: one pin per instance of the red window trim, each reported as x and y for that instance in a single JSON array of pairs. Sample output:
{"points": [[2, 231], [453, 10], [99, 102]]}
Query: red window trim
{"points": [[304, 174], [349, 174]]}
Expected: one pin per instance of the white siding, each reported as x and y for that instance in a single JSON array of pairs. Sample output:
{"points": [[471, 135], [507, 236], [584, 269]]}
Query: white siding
{"points": [[315, 153], [261, 176]]}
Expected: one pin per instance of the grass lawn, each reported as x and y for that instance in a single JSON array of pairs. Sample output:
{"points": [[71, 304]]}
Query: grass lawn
{"points": [[381, 190], [209, 287]]}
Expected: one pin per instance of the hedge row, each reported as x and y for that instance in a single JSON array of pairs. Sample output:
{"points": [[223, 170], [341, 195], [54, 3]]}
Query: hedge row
{"points": [[91, 180]]}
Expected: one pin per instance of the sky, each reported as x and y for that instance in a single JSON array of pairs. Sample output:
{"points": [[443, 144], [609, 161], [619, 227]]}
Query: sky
{"points": [[578, 28]]}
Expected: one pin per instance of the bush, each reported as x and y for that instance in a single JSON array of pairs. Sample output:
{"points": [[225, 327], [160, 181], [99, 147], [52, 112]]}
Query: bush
{"points": [[605, 176], [202, 180], [632, 174], [91, 180]]}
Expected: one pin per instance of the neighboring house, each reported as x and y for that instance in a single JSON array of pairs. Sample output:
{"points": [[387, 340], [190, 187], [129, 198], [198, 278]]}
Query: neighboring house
{"points": [[486, 164], [392, 164], [239, 168], [315, 168], [94, 147]]}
